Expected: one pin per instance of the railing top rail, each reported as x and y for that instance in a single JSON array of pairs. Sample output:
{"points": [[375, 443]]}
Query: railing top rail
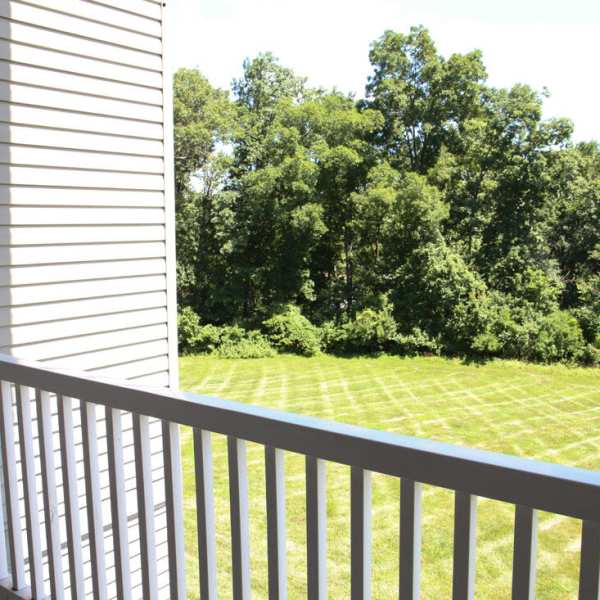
{"points": [[545, 486]]}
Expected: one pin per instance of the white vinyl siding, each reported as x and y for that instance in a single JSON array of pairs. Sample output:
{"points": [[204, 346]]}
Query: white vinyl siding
{"points": [[86, 214]]}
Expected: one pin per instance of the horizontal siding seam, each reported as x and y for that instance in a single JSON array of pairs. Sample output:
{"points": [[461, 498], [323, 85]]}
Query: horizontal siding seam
{"points": [[106, 297], [127, 362], [99, 22], [78, 169], [84, 317], [80, 93], [76, 73], [81, 112], [73, 337], [124, 10], [86, 56], [109, 348], [76, 245]]}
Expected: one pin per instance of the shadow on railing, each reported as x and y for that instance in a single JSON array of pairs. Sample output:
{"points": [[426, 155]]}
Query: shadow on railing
{"points": [[528, 484]]}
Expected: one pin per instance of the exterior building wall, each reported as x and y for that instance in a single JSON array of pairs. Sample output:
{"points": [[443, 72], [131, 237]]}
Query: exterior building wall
{"points": [[83, 209], [87, 260]]}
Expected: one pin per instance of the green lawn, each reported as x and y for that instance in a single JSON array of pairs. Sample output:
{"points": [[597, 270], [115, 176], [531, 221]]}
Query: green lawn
{"points": [[550, 413]]}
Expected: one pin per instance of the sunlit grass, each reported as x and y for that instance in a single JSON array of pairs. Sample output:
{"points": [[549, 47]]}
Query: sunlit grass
{"points": [[548, 413]]}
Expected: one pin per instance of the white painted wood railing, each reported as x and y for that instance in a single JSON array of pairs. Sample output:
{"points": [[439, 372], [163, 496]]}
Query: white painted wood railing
{"points": [[529, 485]]}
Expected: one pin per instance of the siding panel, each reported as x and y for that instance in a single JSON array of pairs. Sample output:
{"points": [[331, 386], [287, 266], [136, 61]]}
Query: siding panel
{"points": [[78, 176], [37, 275], [72, 63], [60, 351], [51, 157], [31, 295], [74, 140], [24, 236], [28, 74], [104, 14], [70, 215], [140, 7], [85, 19], [78, 122], [74, 44], [96, 105], [86, 208], [38, 255]]}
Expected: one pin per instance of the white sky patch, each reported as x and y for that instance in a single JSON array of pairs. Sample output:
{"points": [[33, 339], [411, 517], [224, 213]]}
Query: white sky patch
{"points": [[545, 43]]}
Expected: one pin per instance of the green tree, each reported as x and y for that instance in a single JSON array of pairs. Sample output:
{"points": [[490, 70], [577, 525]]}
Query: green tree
{"points": [[424, 97]]}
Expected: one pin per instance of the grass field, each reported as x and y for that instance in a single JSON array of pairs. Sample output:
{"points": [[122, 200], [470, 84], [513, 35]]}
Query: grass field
{"points": [[549, 413]]}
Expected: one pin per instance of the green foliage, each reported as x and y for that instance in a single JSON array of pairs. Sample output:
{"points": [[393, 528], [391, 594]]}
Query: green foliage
{"points": [[371, 331], [477, 218], [203, 116], [251, 345], [559, 338], [188, 329], [416, 342], [422, 95], [437, 292], [226, 342], [290, 331], [520, 333]]}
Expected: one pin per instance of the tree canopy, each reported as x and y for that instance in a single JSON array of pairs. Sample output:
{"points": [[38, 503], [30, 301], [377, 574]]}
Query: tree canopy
{"points": [[450, 206]]}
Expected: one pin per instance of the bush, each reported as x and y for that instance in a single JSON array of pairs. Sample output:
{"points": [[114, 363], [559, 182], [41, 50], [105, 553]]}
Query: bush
{"points": [[333, 338], [591, 355], [252, 345], [290, 331], [519, 331], [228, 341], [188, 329], [416, 342], [508, 331], [440, 294], [559, 338], [371, 331]]}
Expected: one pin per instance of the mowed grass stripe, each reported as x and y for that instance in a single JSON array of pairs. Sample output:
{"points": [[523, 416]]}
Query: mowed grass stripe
{"points": [[549, 413]]}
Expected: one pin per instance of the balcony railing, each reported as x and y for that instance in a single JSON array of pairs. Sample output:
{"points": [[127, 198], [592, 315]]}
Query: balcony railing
{"points": [[528, 484]]}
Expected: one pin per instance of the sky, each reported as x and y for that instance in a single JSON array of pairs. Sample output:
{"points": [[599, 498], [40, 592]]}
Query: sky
{"points": [[553, 44]]}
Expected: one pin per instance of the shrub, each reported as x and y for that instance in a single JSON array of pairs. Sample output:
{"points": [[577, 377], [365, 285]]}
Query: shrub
{"points": [[229, 341], [559, 338], [416, 342], [252, 345], [371, 331], [591, 355], [588, 313], [440, 294], [290, 331], [521, 332], [188, 329], [333, 338]]}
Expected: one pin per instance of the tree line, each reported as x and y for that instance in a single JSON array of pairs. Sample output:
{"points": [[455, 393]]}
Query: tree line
{"points": [[438, 213]]}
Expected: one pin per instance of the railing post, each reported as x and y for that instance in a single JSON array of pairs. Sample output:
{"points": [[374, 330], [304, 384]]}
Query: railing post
{"points": [[174, 501], [465, 530], [32, 517], [275, 481], [589, 571], [316, 528], [410, 539], [205, 514], [44, 417], [71, 496], [525, 545], [114, 445], [143, 471], [360, 535], [93, 498], [17, 567], [238, 498]]}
